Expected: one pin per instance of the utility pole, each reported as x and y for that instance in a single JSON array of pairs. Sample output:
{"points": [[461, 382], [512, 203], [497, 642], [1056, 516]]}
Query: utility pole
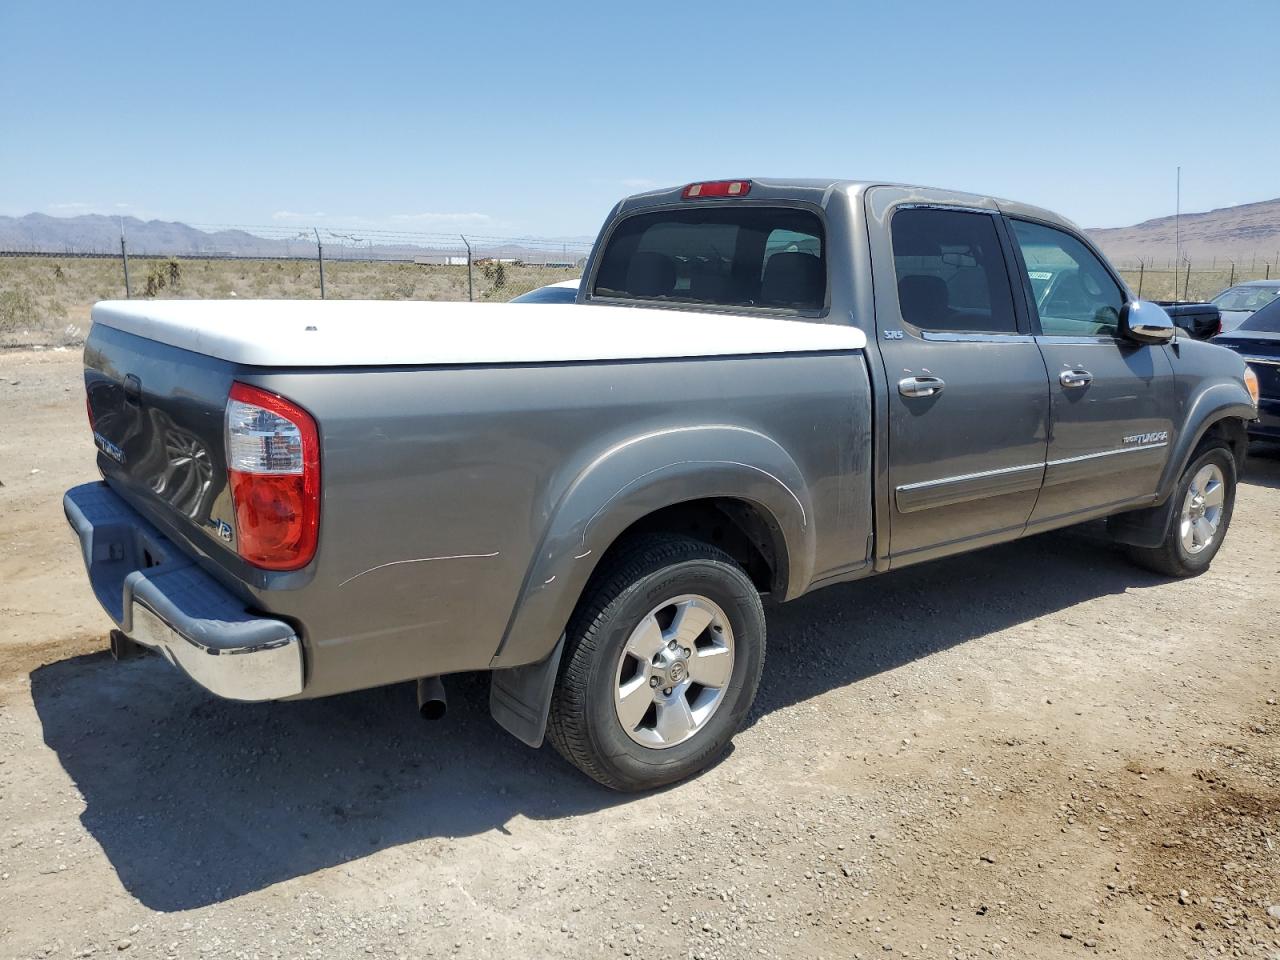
{"points": [[124, 257], [320, 256], [1177, 231]]}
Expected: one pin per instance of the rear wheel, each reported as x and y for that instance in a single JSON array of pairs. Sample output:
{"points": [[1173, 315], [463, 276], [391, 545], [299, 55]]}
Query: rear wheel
{"points": [[662, 662], [1204, 500]]}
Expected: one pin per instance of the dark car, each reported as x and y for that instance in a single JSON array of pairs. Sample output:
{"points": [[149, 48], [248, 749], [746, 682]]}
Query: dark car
{"points": [[1257, 340]]}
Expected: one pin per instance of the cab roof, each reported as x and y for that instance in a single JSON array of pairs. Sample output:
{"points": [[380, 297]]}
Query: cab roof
{"points": [[819, 191]]}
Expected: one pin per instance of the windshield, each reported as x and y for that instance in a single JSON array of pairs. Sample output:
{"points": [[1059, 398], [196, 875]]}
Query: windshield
{"points": [[1265, 320], [728, 255], [1245, 298]]}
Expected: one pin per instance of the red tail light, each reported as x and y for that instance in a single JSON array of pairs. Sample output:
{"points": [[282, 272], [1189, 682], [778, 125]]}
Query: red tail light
{"points": [[717, 188], [273, 465]]}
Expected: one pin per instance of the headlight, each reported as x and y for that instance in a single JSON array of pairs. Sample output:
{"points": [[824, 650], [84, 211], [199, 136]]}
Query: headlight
{"points": [[1251, 384]]}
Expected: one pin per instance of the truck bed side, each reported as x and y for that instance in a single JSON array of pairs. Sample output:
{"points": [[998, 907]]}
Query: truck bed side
{"points": [[440, 484]]}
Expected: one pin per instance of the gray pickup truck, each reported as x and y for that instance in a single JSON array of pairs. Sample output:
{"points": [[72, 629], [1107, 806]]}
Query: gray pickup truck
{"points": [[764, 387]]}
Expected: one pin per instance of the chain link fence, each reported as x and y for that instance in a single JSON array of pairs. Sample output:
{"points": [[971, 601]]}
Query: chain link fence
{"points": [[47, 290], [1193, 281]]}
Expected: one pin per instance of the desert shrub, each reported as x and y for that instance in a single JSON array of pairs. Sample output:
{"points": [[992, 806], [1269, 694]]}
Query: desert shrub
{"points": [[496, 273], [157, 277], [17, 309], [174, 269]]}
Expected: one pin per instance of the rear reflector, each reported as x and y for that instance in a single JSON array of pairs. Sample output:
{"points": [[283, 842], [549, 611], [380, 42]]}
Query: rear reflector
{"points": [[273, 465], [717, 188]]}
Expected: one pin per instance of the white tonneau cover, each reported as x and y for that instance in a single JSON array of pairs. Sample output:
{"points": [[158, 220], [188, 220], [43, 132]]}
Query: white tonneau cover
{"points": [[341, 333]]}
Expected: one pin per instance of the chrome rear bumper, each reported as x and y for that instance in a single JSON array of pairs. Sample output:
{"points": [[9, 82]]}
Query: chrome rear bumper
{"points": [[159, 598]]}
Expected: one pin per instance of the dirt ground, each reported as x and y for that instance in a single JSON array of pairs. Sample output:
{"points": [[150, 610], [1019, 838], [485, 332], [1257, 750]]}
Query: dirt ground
{"points": [[1033, 751]]}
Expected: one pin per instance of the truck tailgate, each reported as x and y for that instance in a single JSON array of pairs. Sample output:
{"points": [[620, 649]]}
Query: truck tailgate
{"points": [[157, 416]]}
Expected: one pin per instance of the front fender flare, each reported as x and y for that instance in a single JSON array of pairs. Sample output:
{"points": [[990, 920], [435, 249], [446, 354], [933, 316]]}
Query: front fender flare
{"points": [[629, 481], [1149, 526], [1219, 400]]}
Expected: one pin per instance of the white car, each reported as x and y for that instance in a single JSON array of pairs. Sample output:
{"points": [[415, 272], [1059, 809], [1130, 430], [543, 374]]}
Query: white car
{"points": [[566, 291], [1238, 303]]}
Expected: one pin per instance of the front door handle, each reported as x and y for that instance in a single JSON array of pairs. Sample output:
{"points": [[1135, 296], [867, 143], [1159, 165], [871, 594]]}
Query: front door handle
{"points": [[920, 386], [1075, 378]]}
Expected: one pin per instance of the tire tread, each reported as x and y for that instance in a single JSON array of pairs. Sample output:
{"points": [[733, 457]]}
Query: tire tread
{"points": [[1166, 559], [635, 560]]}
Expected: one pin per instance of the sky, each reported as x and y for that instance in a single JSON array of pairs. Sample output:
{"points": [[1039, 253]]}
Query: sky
{"points": [[532, 119]]}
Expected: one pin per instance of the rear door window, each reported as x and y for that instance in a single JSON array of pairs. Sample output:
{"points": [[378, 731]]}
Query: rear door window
{"points": [[951, 271], [740, 255]]}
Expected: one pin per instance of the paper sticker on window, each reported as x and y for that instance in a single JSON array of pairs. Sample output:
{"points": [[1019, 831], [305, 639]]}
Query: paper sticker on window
{"points": [[1039, 275]]}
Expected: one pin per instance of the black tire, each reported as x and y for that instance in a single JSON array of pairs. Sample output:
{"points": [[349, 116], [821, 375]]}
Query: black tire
{"points": [[1171, 558], [584, 725]]}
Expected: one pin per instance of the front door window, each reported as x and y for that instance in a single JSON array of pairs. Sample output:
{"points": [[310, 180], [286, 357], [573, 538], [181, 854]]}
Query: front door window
{"points": [[1074, 293]]}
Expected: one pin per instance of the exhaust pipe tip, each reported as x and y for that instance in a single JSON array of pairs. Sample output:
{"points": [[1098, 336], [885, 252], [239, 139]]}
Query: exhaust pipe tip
{"points": [[123, 648], [432, 702]]}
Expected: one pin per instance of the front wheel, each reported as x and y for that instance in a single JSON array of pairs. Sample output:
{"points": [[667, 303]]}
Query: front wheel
{"points": [[663, 658], [1203, 502]]}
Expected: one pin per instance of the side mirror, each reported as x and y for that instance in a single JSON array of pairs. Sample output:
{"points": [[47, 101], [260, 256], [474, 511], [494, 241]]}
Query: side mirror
{"points": [[1145, 322]]}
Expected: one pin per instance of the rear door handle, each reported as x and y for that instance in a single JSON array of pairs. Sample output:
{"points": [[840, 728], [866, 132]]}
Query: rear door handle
{"points": [[920, 386], [1075, 378]]}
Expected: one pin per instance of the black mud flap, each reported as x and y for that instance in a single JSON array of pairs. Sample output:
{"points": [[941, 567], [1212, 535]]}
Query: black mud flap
{"points": [[520, 697], [1142, 528]]}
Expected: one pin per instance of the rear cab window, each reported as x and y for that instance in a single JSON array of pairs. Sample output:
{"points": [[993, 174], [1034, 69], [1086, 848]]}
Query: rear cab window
{"points": [[734, 256]]}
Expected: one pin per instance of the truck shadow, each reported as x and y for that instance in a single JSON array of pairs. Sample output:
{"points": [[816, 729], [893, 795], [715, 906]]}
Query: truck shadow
{"points": [[196, 800], [1263, 466]]}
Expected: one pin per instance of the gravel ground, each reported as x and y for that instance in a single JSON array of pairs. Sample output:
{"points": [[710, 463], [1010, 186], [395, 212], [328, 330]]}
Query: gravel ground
{"points": [[1037, 750]]}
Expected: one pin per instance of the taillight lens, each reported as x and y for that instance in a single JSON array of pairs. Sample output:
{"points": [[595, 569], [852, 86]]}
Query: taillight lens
{"points": [[717, 188], [273, 465]]}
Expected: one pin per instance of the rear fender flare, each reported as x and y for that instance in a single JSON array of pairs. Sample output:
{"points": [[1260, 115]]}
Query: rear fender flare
{"points": [[633, 479]]}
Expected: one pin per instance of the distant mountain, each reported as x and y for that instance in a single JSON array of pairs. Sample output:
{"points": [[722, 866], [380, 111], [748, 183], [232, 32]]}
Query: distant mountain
{"points": [[1238, 233], [95, 233]]}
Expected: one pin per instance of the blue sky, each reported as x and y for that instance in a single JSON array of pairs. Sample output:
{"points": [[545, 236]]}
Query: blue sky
{"points": [[533, 118]]}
